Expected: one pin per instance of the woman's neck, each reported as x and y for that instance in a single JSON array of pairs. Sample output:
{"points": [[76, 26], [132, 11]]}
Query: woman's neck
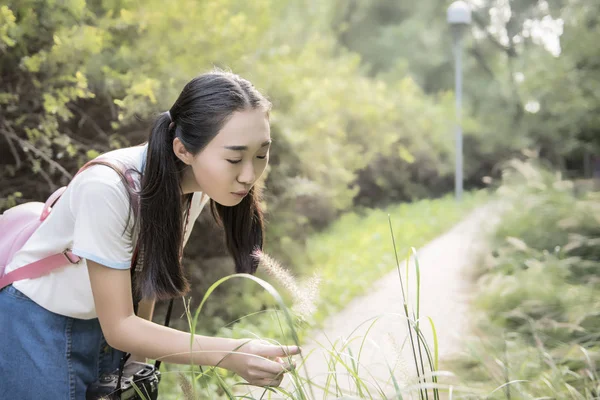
{"points": [[188, 181]]}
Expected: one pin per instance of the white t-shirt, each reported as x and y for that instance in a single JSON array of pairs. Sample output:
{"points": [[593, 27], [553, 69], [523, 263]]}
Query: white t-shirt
{"points": [[90, 218]]}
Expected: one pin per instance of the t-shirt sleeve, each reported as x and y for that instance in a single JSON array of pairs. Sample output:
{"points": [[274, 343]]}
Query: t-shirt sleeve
{"points": [[101, 212]]}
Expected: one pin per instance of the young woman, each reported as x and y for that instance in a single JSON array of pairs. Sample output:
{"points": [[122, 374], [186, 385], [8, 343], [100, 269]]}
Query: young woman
{"points": [[58, 333]]}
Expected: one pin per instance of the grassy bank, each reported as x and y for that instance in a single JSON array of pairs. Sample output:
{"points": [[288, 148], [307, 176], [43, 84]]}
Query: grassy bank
{"points": [[538, 296]]}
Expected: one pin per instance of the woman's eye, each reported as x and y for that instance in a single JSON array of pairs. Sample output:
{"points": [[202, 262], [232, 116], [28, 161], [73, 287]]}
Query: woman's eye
{"points": [[233, 161], [261, 157]]}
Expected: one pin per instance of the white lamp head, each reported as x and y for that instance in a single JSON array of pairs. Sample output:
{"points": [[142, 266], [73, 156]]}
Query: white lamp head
{"points": [[459, 13]]}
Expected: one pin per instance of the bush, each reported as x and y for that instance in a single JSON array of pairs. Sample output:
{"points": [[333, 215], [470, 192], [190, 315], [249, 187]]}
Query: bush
{"points": [[537, 292]]}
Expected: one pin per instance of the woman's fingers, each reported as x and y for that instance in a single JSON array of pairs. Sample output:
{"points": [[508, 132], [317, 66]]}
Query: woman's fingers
{"points": [[272, 358], [288, 364], [265, 364], [268, 382], [271, 368], [272, 351]]}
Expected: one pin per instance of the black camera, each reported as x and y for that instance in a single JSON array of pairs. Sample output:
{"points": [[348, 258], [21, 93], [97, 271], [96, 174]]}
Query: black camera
{"points": [[136, 375]]}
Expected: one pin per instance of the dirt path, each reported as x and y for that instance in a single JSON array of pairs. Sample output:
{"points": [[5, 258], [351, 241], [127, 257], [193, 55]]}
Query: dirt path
{"points": [[445, 291]]}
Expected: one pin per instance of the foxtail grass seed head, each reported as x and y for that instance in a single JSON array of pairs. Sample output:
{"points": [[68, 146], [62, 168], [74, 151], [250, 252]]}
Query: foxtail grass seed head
{"points": [[304, 295], [186, 387], [305, 306], [400, 367]]}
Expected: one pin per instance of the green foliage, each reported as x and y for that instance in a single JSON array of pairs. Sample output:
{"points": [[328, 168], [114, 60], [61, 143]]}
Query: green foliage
{"points": [[46, 48], [549, 203], [85, 73], [93, 71], [7, 27], [529, 78], [537, 296]]}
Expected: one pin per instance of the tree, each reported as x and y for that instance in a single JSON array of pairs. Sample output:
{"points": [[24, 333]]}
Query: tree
{"points": [[517, 56]]}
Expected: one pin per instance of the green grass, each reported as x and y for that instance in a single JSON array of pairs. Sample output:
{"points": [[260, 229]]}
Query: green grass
{"points": [[194, 382], [353, 253]]}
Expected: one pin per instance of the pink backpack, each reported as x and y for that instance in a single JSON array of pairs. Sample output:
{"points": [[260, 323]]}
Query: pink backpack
{"points": [[18, 223]]}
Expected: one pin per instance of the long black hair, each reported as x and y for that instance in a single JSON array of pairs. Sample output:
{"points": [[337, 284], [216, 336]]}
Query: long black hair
{"points": [[203, 107]]}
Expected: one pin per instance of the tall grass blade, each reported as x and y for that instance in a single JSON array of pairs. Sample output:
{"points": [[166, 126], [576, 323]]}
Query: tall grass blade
{"points": [[435, 345], [364, 340], [418, 274], [506, 384], [224, 387], [331, 368], [354, 372], [574, 393], [396, 386], [591, 364], [419, 348], [274, 294], [417, 317], [407, 277], [188, 315], [505, 368], [138, 391], [412, 342], [431, 359]]}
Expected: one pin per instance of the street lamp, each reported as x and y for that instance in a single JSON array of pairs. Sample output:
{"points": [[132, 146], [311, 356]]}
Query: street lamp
{"points": [[459, 17]]}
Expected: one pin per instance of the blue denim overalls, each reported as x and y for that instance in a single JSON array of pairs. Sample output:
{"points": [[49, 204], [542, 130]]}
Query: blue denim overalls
{"points": [[44, 355]]}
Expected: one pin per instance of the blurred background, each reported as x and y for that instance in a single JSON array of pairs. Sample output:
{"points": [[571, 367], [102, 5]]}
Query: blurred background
{"points": [[363, 95]]}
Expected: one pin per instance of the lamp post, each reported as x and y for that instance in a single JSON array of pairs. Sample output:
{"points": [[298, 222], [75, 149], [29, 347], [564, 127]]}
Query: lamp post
{"points": [[459, 17]]}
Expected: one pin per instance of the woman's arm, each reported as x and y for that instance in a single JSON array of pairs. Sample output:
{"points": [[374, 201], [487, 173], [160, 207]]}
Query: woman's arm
{"points": [[145, 311], [127, 332]]}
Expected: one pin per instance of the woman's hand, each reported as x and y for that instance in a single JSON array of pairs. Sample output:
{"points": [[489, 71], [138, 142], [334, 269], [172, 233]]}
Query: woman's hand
{"points": [[259, 362]]}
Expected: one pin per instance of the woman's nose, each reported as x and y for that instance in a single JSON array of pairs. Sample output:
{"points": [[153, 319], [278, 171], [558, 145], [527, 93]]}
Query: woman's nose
{"points": [[247, 175]]}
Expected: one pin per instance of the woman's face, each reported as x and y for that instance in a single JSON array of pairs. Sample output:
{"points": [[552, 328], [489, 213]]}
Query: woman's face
{"points": [[232, 162]]}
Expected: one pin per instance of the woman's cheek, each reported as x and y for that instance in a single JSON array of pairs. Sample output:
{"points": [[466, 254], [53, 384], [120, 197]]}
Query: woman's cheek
{"points": [[262, 168]]}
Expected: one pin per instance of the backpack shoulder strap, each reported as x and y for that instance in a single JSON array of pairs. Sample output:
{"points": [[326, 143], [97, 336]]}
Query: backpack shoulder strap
{"points": [[46, 265], [117, 169]]}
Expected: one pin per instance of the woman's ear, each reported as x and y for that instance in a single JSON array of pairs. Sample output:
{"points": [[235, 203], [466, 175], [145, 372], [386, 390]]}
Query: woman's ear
{"points": [[181, 152]]}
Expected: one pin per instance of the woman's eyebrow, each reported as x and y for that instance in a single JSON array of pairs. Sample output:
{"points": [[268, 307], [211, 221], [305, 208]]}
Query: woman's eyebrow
{"points": [[244, 148]]}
